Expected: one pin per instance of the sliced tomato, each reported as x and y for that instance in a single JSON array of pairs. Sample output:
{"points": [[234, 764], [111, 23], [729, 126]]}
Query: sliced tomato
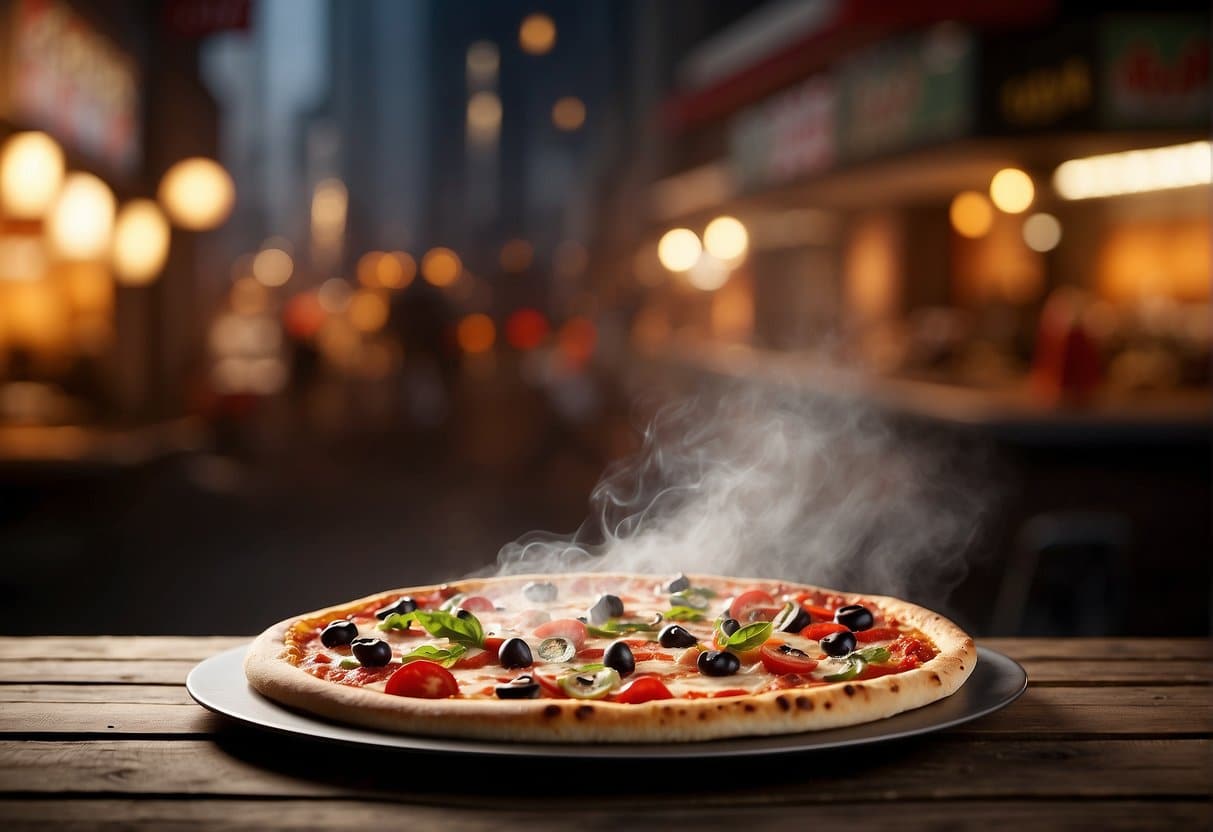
{"points": [[877, 634], [569, 628], [651, 656], [591, 652], [819, 631], [474, 660], [780, 663], [549, 684], [643, 689], [477, 603], [730, 692], [423, 680], [745, 603]]}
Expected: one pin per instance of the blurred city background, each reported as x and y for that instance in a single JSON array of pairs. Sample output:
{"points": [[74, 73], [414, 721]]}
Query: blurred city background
{"points": [[304, 299]]}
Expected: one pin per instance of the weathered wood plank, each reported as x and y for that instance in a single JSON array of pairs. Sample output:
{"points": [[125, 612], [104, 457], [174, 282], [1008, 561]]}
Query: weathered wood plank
{"points": [[96, 671], [264, 765], [1109, 649], [1079, 672], [1102, 711], [99, 694], [181, 648], [1098, 711], [230, 815]]}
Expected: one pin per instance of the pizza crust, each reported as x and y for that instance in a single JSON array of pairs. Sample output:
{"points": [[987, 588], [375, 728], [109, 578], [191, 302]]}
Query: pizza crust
{"points": [[271, 672]]}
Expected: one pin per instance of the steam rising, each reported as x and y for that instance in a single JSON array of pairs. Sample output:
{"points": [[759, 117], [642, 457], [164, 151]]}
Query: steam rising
{"points": [[752, 484]]}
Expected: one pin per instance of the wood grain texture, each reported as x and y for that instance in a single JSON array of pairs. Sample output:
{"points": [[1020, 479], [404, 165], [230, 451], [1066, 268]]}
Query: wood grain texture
{"points": [[231, 815], [96, 671], [262, 765]]}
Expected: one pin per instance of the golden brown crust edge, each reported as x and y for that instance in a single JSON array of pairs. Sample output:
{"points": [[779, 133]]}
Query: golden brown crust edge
{"points": [[568, 720]]}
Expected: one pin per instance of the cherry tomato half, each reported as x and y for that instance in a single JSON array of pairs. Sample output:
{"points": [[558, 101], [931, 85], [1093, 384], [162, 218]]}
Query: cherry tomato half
{"points": [[644, 689], [819, 631], [569, 628], [745, 603], [423, 680], [877, 634], [780, 663], [481, 658], [477, 603]]}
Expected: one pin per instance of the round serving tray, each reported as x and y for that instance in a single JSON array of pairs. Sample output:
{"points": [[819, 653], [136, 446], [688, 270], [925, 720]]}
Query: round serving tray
{"points": [[218, 684]]}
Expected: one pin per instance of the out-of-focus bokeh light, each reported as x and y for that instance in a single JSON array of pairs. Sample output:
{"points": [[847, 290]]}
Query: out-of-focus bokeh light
{"points": [[81, 221], [971, 214], [516, 256], [368, 269], [396, 269], [679, 249], [22, 258], [537, 34], [484, 113], [483, 62], [334, 295], [141, 242], [31, 173], [726, 239], [330, 201], [568, 113], [577, 340], [304, 315], [441, 266], [526, 329], [709, 273], [248, 297], [1012, 190], [368, 311], [197, 193], [1042, 232], [273, 265], [1136, 171], [476, 333]]}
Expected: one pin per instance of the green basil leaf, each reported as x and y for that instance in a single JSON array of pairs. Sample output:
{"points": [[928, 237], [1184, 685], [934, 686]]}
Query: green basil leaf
{"points": [[874, 655], [749, 636], [466, 631], [349, 664], [682, 614], [445, 656], [397, 621], [614, 626], [589, 668]]}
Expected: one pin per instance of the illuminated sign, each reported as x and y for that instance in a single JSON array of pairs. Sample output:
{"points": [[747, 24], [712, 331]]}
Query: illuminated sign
{"points": [[1156, 72], [788, 136], [68, 79], [1047, 95]]}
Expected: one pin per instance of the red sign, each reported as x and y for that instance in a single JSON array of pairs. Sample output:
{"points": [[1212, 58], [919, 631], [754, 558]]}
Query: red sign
{"points": [[199, 18]]}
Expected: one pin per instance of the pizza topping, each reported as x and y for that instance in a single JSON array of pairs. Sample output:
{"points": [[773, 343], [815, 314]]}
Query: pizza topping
{"points": [[615, 627], [606, 607], [745, 605], [401, 606], [556, 650], [586, 686], [745, 638], [792, 618], [673, 635], [515, 653], [678, 584], [784, 659], [679, 613], [855, 664], [819, 631], [339, 633], [540, 592], [371, 652], [718, 663], [445, 656], [838, 644], [461, 628], [423, 680], [696, 598], [567, 628], [524, 687], [643, 689], [729, 626], [855, 617], [618, 656]]}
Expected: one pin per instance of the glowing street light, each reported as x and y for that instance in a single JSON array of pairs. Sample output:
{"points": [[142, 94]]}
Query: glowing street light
{"points": [[81, 221], [568, 113], [273, 266], [441, 266], [679, 249], [197, 193], [726, 239], [972, 214], [31, 172], [1012, 190], [141, 242], [1042, 232], [537, 34]]}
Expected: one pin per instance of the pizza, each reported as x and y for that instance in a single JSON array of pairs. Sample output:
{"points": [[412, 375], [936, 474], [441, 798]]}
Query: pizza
{"points": [[600, 657]]}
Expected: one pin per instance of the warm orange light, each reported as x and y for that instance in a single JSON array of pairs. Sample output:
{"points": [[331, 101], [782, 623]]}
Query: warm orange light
{"points": [[273, 266], [396, 269], [197, 193], [972, 214], [31, 171], [484, 114], [141, 241], [537, 34], [368, 311], [303, 315], [1042, 232], [726, 239], [476, 333], [679, 249], [441, 266], [578, 338], [568, 113], [248, 297], [1012, 190], [526, 329], [368, 268], [516, 256], [81, 222]]}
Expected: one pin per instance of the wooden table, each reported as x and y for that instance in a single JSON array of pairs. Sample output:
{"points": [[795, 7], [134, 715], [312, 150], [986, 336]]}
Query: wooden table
{"points": [[99, 732]]}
